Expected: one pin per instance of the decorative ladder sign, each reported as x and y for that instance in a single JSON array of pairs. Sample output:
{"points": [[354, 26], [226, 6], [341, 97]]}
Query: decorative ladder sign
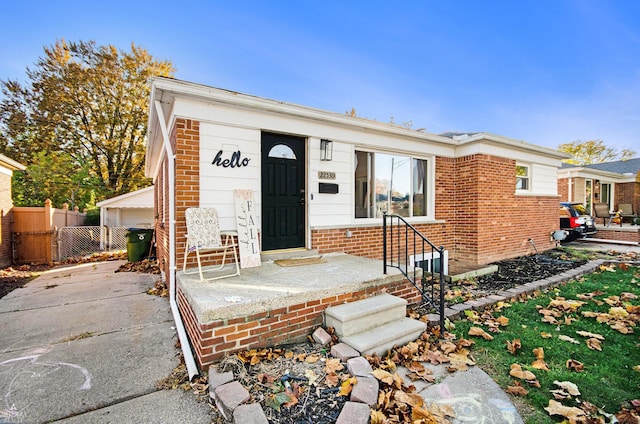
{"points": [[247, 229]]}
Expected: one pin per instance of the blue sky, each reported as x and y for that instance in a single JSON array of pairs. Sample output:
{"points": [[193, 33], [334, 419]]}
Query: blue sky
{"points": [[543, 71]]}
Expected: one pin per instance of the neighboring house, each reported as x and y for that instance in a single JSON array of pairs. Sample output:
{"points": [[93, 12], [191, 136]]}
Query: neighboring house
{"points": [[7, 166], [483, 197], [612, 183], [130, 210]]}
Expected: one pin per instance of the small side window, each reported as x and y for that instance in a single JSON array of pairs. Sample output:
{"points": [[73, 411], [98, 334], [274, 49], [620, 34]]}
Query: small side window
{"points": [[522, 177]]}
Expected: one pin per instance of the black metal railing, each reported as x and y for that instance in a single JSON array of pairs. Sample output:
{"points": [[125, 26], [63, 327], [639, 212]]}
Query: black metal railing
{"points": [[419, 260]]}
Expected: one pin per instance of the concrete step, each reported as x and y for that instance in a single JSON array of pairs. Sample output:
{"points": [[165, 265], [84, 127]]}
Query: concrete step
{"points": [[381, 339], [356, 317]]}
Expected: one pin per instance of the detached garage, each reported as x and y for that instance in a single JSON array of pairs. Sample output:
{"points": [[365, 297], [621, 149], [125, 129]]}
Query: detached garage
{"points": [[118, 214]]}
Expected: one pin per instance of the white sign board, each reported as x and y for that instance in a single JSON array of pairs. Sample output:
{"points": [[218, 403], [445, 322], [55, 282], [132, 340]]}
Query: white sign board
{"points": [[247, 229]]}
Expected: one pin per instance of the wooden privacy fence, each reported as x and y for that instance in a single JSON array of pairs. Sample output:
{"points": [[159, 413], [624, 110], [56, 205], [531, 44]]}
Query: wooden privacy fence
{"points": [[34, 231]]}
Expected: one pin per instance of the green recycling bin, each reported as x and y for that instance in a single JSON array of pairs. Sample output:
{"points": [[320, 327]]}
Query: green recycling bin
{"points": [[138, 243]]}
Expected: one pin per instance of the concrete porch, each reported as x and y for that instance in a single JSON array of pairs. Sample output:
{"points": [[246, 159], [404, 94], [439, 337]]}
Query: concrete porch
{"points": [[271, 286], [271, 304]]}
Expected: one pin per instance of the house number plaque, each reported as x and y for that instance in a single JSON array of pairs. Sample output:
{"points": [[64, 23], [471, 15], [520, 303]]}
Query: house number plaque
{"points": [[323, 175]]}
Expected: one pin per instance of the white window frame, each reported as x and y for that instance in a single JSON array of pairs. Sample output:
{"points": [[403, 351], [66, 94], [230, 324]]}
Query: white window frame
{"points": [[527, 178], [429, 189], [419, 257]]}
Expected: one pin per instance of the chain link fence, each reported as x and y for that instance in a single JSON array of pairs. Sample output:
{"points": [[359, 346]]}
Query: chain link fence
{"points": [[82, 241]]}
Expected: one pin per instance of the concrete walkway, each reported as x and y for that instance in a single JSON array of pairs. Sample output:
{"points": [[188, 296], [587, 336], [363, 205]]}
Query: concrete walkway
{"points": [[83, 344]]}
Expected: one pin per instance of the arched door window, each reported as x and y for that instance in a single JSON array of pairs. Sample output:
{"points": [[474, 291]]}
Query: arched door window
{"points": [[282, 151]]}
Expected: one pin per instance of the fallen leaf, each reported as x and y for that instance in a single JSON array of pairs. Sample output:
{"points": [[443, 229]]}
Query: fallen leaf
{"points": [[477, 331], [621, 327], [590, 335], [421, 414], [627, 417], [572, 413], [540, 364], [538, 353], [332, 380], [377, 417], [412, 399], [517, 372], [447, 347], [347, 386], [594, 344], [312, 377], [502, 320], [276, 400], [545, 335], [568, 339], [517, 389], [566, 305], [568, 386], [577, 366], [384, 376], [293, 400], [333, 365], [266, 378], [618, 312], [513, 346], [436, 357], [559, 394], [312, 359]]}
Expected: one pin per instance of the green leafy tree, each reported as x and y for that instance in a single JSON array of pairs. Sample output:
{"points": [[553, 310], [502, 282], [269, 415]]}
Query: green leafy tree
{"points": [[81, 122], [593, 151]]}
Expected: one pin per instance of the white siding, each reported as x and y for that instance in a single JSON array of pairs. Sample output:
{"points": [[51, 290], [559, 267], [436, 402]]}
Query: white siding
{"points": [[216, 182], [544, 180]]}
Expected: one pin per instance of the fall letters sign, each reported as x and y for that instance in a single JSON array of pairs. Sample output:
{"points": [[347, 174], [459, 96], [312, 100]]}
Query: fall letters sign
{"points": [[248, 242]]}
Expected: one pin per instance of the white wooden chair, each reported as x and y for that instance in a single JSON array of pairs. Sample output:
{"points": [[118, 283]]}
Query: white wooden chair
{"points": [[205, 239]]}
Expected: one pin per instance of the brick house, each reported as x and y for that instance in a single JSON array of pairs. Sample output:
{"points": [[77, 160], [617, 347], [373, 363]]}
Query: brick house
{"points": [[323, 180], [612, 183], [7, 166]]}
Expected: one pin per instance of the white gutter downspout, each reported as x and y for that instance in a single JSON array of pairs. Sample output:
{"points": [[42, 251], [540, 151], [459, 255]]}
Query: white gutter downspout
{"points": [[190, 362]]}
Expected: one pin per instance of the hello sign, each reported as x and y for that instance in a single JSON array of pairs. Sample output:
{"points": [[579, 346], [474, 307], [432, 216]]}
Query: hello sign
{"points": [[235, 161]]}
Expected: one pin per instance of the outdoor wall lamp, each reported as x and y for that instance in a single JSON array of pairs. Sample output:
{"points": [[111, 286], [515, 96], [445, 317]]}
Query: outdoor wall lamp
{"points": [[326, 149]]}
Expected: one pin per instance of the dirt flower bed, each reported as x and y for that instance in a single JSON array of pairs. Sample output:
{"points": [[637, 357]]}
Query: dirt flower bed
{"points": [[526, 269]]}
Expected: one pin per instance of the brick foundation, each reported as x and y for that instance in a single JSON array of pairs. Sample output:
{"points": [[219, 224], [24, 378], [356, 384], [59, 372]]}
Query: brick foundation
{"points": [[612, 234], [291, 324]]}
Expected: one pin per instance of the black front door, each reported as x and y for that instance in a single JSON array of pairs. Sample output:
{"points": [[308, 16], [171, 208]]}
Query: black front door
{"points": [[283, 194]]}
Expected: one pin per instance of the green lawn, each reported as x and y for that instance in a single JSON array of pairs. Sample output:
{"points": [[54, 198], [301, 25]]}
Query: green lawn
{"points": [[608, 379]]}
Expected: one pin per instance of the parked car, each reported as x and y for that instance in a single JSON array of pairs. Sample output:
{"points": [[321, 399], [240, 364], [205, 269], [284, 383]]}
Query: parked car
{"points": [[575, 219]]}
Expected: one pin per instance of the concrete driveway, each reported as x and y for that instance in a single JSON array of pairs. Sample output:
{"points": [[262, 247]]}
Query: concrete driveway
{"points": [[83, 344]]}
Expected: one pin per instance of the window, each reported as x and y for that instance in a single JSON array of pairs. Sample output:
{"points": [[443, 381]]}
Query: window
{"points": [[605, 193], [281, 151], [431, 262], [522, 177], [389, 183]]}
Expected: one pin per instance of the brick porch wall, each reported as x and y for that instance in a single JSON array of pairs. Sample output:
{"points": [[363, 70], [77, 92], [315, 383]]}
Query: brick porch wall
{"points": [[212, 340], [612, 234], [367, 241]]}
